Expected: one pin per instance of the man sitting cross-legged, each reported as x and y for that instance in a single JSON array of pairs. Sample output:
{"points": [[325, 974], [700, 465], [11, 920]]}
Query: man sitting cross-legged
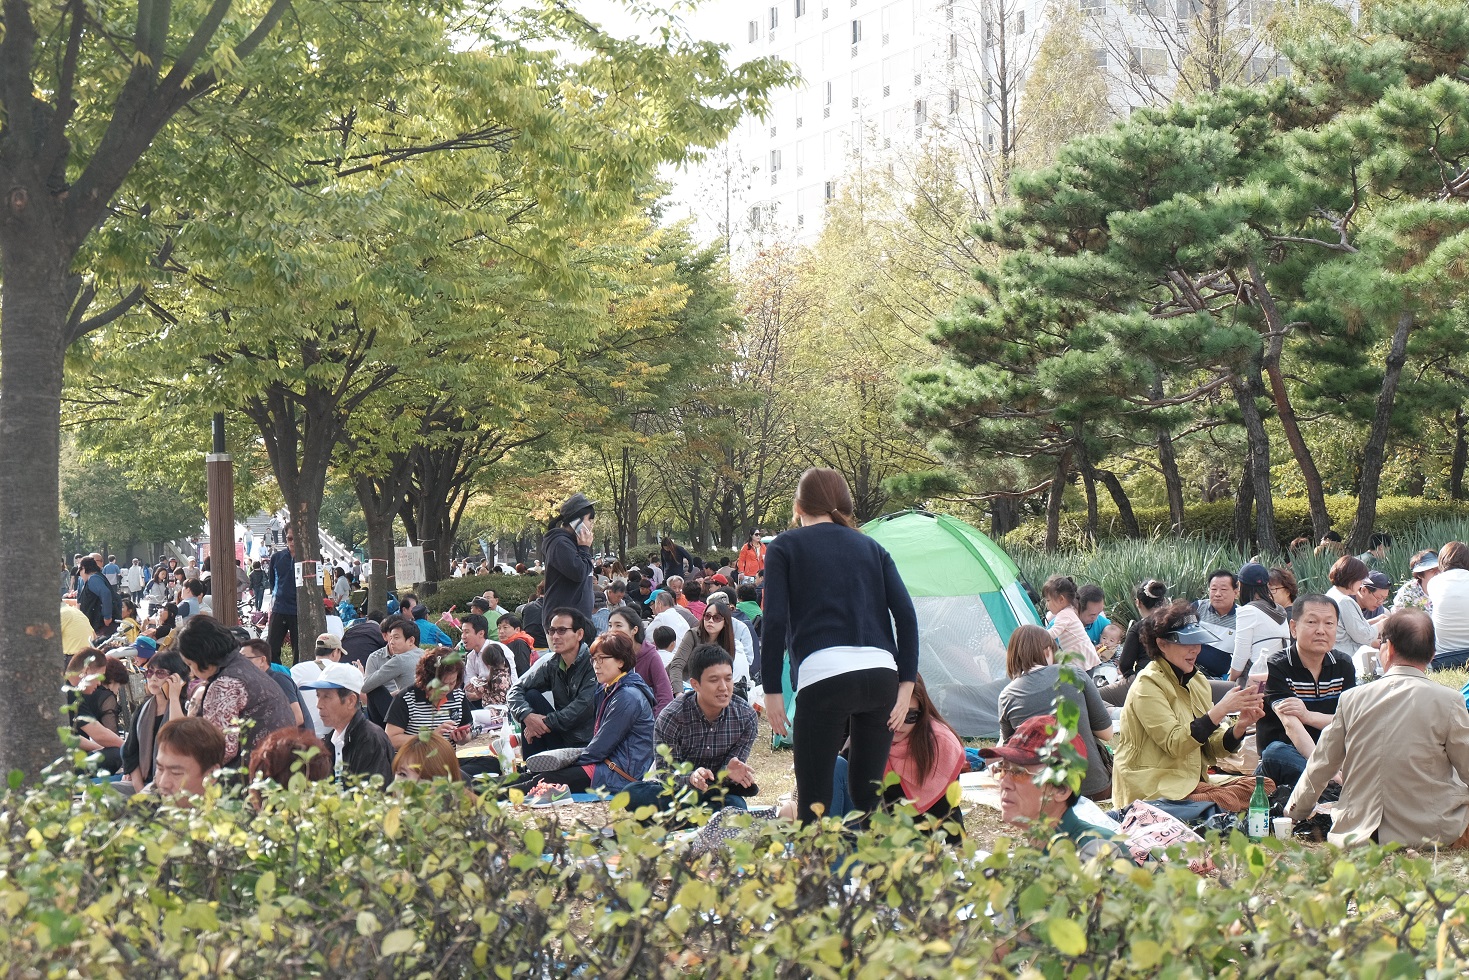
{"points": [[1305, 682], [707, 728]]}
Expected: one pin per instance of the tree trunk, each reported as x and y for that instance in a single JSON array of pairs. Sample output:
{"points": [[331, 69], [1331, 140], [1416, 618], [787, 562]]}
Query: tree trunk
{"points": [[1376, 448], [1089, 485], [1124, 505], [1284, 410], [1246, 391], [1243, 500], [1053, 504], [34, 300], [1004, 515], [1461, 455], [1168, 463], [380, 498]]}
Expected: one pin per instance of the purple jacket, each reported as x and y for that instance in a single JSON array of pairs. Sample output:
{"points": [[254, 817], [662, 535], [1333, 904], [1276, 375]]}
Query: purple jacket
{"points": [[649, 666]]}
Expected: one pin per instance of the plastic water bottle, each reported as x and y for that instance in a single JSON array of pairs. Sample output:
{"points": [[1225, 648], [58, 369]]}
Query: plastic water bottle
{"points": [[1259, 815]]}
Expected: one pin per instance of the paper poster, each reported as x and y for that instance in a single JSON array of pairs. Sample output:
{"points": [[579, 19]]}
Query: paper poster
{"points": [[408, 565], [300, 575]]}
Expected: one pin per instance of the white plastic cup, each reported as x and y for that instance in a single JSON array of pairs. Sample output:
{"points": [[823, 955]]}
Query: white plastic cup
{"points": [[1283, 827]]}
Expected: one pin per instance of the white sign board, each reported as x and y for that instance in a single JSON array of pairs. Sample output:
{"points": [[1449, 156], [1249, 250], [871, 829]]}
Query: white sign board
{"points": [[408, 565], [301, 578]]}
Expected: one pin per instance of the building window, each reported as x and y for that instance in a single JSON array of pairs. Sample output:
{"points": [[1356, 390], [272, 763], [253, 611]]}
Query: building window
{"points": [[828, 93], [800, 121], [920, 112], [800, 221], [774, 160], [774, 18], [1147, 61], [886, 91], [1092, 7], [953, 101], [1019, 22], [756, 218], [754, 31], [1099, 57], [856, 32], [831, 190], [1141, 7], [800, 8], [954, 45]]}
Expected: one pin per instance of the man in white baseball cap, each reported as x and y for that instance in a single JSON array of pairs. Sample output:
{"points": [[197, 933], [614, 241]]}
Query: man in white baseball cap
{"points": [[358, 747]]}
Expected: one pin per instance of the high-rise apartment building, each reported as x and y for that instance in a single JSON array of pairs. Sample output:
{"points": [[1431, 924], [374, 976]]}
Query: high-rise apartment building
{"points": [[882, 75]]}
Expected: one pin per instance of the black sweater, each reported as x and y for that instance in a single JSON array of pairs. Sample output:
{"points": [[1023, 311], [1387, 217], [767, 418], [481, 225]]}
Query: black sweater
{"points": [[825, 586]]}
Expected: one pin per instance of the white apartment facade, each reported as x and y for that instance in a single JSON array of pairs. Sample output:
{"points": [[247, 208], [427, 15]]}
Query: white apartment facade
{"points": [[881, 75]]}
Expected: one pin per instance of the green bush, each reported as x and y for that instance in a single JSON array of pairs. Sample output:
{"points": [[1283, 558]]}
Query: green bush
{"points": [[426, 881], [1215, 521], [512, 590]]}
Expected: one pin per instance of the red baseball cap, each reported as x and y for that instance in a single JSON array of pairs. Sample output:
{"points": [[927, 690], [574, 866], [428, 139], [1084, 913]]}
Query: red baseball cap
{"points": [[1024, 747], [720, 580]]}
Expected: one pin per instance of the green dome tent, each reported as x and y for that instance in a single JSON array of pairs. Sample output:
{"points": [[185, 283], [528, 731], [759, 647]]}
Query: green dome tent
{"points": [[968, 596]]}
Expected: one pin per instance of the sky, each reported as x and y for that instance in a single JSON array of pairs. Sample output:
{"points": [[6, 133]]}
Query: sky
{"points": [[703, 23]]}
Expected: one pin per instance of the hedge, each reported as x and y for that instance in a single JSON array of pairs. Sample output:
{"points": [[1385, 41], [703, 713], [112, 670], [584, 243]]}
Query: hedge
{"points": [[1396, 515], [512, 590], [426, 881]]}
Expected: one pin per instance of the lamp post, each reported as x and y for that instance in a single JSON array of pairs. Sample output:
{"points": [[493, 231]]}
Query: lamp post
{"points": [[220, 475]]}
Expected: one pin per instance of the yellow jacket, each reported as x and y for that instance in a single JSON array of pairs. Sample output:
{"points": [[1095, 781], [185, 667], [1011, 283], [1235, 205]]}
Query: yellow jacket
{"points": [[1156, 758]]}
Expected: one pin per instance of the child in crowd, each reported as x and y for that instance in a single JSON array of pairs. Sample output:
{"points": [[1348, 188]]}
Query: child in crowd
{"points": [[665, 639]]}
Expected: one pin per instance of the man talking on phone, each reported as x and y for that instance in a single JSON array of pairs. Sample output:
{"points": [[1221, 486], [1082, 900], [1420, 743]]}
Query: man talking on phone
{"points": [[1301, 692], [567, 551]]}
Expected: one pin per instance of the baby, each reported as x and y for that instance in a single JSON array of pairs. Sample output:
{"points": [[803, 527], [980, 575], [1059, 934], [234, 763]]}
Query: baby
{"points": [[1112, 636]]}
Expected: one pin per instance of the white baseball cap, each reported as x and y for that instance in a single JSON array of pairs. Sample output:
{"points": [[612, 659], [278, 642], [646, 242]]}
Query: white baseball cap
{"points": [[336, 676]]}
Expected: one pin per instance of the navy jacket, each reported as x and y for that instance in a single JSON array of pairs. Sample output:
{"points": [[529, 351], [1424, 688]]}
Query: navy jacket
{"points": [[623, 735], [803, 613]]}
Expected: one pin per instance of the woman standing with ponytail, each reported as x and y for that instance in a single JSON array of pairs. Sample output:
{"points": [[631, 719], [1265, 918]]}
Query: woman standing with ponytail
{"points": [[854, 672]]}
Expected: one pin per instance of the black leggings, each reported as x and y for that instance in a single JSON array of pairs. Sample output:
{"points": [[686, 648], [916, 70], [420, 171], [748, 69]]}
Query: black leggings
{"points": [[855, 704]]}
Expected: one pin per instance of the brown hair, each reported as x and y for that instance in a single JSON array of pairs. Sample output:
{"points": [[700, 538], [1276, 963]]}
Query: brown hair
{"points": [[432, 757], [824, 492], [278, 754], [1416, 559], [1164, 619], [726, 632], [87, 661], [1347, 571], [1029, 647], [921, 743], [201, 740], [618, 647], [431, 667], [1455, 554], [1062, 586], [1284, 578]]}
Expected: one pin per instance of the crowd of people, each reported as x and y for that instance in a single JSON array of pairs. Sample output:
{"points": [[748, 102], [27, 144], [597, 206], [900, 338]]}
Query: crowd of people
{"points": [[1168, 706], [605, 666]]}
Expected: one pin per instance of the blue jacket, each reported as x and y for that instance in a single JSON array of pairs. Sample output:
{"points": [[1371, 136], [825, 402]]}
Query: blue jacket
{"points": [[624, 733], [429, 634]]}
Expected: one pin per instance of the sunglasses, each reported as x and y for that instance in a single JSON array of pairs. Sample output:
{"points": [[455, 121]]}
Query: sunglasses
{"points": [[559, 630], [157, 673], [911, 718], [713, 615]]}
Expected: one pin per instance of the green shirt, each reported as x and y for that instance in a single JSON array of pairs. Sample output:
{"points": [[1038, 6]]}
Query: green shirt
{"points": [[1091, 841]]}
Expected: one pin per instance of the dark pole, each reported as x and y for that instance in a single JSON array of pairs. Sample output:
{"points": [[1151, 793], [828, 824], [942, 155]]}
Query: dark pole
{"points": [[220, 473]]}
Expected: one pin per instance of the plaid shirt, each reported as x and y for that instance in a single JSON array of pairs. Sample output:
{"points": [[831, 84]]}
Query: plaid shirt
{"points": [[694, 739]]}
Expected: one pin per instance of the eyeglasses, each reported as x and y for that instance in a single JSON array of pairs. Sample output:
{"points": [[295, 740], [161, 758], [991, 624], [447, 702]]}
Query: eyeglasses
{"points": [[601, 657], [1003, 768], [911, 718], [558, 630]]}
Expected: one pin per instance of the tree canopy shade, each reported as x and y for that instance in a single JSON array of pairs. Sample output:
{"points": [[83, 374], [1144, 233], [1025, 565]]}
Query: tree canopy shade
{"points": [[272, 196], [1277, 244]]}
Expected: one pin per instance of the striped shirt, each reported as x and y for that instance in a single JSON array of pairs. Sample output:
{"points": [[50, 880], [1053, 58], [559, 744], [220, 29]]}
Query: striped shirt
{"points": [[412, 712], [1289, 678]]}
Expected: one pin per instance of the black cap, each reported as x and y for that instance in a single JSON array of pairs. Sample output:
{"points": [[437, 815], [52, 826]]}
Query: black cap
{"points": [[575, 506]]}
